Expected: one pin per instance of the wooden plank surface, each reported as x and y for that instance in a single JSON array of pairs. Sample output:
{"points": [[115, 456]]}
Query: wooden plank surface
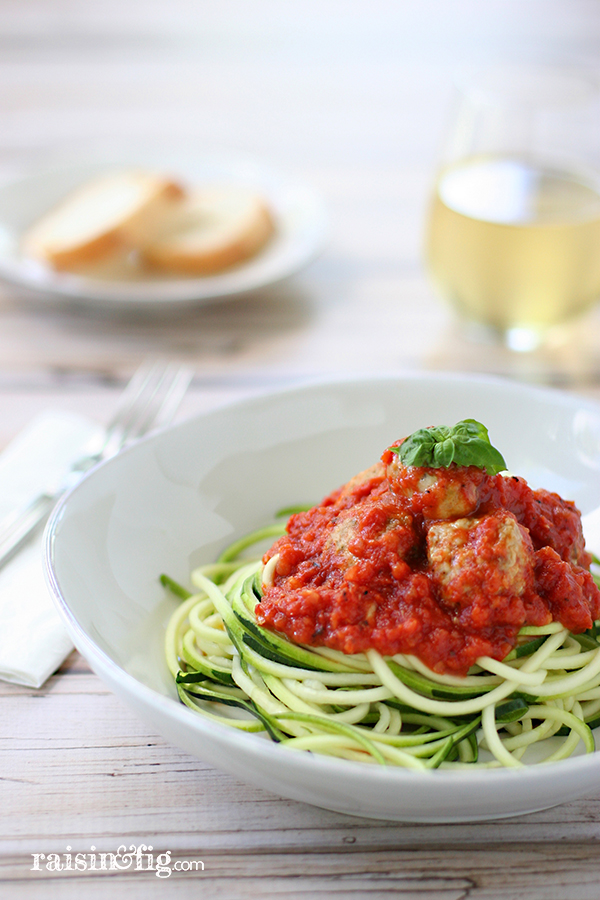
{"points": [[351, 97]]}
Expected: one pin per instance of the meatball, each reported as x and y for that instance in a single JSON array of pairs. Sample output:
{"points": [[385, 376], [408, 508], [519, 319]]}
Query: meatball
{"points": [[370, 532], [490, 556], [438, 493], [360, 485]]}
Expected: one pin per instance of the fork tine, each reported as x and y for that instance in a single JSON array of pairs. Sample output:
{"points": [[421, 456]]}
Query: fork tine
{"points": [[174, 387], [140, 382], [150, 399], [159, 405]]}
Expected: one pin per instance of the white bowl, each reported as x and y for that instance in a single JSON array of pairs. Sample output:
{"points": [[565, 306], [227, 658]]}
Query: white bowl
{"points": [[176, 498]]}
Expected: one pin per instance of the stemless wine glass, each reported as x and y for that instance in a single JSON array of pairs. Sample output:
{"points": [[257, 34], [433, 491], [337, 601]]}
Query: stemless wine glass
{"points": [[513, 237]]}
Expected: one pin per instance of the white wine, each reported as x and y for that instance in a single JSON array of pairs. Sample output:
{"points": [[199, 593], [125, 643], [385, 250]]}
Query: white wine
{"points": [[513, 245]]}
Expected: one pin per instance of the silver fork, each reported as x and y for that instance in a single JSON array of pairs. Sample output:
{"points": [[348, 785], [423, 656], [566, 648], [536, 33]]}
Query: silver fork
{"points": [[150, 399]]}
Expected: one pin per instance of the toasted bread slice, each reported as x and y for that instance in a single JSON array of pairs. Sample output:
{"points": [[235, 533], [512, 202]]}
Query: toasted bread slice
{"points": [[121, 209], [211, 230]]}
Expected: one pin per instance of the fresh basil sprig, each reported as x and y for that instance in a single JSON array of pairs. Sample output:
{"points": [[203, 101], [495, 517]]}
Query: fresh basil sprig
{"points": [[466, 444]]}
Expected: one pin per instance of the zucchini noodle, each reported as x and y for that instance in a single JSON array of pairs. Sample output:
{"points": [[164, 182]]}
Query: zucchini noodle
{"points": [[364, 707]]}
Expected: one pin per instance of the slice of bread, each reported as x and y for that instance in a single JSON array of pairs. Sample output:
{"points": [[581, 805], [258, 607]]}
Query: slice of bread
{"points": [[117, 210], [211, 230]]}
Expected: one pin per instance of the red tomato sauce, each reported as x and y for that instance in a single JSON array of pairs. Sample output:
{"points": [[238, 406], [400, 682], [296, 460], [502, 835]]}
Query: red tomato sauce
{"points": [[445, 564]]}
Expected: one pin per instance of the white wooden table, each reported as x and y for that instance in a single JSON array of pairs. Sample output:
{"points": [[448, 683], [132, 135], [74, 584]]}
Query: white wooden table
{"points": [[350, 96]]}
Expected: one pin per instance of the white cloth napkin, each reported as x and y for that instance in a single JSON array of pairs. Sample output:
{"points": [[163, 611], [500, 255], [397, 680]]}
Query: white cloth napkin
{"points": [[33, 641]]}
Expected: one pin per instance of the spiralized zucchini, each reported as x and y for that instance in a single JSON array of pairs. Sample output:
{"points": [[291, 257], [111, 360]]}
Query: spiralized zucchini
{"points": [[368, 708]]}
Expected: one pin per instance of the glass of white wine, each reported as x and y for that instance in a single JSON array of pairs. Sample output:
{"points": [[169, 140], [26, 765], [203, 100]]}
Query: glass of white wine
{"points": [[513, 236]]}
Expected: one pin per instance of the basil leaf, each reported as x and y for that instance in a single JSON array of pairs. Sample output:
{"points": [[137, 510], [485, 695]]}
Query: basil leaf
{"points": [[444, 453], [417, 450], [466, 444]]}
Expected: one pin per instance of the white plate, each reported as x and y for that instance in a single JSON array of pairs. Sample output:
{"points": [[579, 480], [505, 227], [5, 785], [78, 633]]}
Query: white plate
{"points": [[298, 211], [176, 498]]}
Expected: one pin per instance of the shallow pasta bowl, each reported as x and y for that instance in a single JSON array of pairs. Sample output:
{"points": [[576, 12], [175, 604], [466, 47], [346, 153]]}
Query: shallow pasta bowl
{"points": [[174, 500]]}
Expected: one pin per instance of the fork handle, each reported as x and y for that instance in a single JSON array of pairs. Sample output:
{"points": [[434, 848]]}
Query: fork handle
{"points": [[27, 521]]}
